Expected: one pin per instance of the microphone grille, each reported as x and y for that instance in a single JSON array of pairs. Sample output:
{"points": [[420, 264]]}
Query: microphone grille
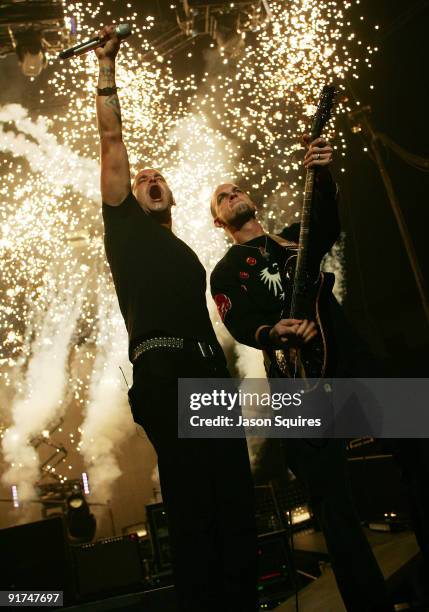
{"points": [[123, 30]]}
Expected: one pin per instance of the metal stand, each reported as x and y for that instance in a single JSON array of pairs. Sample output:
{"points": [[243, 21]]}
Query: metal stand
{"points": [[361, 122]]}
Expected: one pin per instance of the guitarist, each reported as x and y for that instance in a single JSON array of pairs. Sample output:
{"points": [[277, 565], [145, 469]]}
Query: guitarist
{"points": [[249, 290], [251, 270]]}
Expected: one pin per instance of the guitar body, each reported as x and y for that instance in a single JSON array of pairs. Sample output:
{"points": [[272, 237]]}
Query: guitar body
{"points": [[311, 359]]}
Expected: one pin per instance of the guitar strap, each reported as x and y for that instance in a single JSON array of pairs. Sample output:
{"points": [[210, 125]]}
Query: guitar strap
{"points": [[287, 244], [268, 357]]}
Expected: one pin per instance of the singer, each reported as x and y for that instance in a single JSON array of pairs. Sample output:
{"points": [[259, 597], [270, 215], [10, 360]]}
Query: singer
{"points": [[160, 284]]}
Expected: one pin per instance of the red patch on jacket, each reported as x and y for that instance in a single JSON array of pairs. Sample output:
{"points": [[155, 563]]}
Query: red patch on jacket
{"points": [[251, 261], [223, 304], [244, 275]]}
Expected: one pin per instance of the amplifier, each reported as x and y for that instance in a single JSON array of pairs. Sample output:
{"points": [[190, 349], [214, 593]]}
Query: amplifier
{"points": [[375, 479], [267, 513], [276, 578], [36, 556], [110, 565], [274, 502], [156, 516]]}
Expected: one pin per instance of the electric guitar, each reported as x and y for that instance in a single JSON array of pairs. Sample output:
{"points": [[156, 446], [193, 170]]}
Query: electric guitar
{"points": [[304, 292]]}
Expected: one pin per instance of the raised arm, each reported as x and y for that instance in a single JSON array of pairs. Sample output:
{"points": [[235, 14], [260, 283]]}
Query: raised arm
{"points": [[115, 170]]}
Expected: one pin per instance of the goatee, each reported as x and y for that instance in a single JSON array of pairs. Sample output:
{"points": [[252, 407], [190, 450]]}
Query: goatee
{"points": [[243, 215]]}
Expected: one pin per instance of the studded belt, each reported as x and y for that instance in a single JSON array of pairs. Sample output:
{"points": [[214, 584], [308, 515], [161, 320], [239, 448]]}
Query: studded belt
{"points": [[206, 349]]}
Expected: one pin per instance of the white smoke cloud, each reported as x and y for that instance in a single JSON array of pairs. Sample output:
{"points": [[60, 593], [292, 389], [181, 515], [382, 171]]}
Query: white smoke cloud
{"points": [[334, 262], [43, 388], [250, 362], [59, 165], [108, 421]]}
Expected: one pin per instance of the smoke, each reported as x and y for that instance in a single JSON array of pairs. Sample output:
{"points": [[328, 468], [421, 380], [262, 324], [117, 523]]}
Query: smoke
{"points": [[156, 491], [250, 362], [108, 421], [334, 262], [59, 165], [201, 163], [43, 388]]}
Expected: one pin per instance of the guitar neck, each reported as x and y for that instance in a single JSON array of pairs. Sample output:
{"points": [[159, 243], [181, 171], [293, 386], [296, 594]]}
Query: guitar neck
{"points": [[305, 222], [300, 277], [301, 262]]}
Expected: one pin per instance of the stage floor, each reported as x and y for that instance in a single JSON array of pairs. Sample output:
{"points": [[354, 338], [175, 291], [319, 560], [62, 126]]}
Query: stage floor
{"points": [[392, 551]]}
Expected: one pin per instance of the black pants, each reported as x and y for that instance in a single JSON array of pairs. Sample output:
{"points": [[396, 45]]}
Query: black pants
{"points": [[206, 486], [322, 466]]}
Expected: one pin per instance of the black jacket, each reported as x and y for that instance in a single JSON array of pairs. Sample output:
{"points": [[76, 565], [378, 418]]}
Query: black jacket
{"points": [[248, 288]]}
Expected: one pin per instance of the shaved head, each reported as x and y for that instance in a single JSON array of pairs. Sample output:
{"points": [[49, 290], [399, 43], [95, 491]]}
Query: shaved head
{"points": [[144, 172], [231, 206], [153, 194]]}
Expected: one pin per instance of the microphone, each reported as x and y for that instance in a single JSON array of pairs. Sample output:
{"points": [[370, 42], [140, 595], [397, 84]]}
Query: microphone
{"points": [[122, 31]]}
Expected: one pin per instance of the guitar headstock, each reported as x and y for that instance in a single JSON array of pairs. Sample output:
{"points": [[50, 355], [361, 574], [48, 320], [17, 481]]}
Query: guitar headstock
{"points": [[323, 113]]}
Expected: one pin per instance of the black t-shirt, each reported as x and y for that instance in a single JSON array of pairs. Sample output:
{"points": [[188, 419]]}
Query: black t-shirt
{"points": [[159, 280]]}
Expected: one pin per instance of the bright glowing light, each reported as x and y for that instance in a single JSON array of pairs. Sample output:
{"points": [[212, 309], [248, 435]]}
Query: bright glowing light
{"points": [[15, 496]]}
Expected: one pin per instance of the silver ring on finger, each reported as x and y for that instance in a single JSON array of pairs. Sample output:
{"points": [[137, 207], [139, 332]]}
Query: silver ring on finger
{"points": [[318, 156]]}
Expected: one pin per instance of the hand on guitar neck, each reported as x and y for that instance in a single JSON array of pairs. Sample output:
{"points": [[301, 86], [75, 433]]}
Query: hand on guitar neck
{"points": [[293, 332], [318, 155]]}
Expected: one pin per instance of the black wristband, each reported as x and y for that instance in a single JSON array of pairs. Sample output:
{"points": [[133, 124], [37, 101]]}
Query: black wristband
{"points": [[107, 91]]}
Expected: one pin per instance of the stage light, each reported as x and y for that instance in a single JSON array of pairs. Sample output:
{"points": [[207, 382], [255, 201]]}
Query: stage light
{"points": [[85, 483], [34, 30], [15, 496], [81, 524], [300, 514], [76, 502], [30, 51], [225, 22]]}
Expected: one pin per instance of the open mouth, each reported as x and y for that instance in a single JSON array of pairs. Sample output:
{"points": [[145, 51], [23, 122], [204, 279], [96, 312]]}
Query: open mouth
{"points": [[155, 192]]}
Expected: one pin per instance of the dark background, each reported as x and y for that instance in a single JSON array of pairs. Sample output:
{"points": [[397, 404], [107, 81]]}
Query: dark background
{"points": [[382, 300]]}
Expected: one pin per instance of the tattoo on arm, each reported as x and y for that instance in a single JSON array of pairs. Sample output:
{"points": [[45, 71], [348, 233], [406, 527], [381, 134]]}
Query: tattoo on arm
{"points": [[106, 71], [106, 76], [113, 103], [108, 107]]}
